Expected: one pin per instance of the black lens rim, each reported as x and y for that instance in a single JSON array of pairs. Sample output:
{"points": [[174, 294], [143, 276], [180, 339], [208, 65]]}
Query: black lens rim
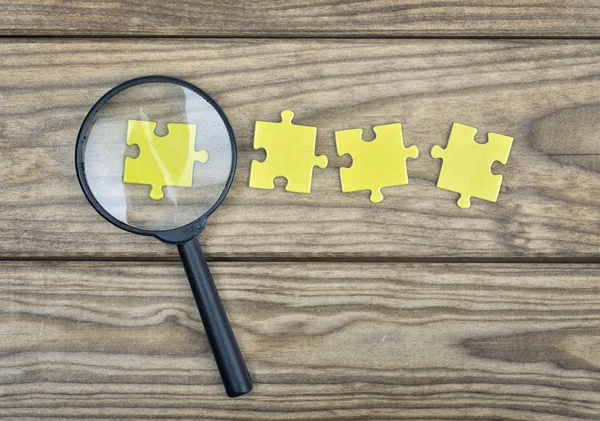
{"points": [[177, 235]]}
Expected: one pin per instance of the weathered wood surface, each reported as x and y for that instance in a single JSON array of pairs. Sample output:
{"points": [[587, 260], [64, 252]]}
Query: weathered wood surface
{"points": [[99, 340], [545, 94], [367, 18]]}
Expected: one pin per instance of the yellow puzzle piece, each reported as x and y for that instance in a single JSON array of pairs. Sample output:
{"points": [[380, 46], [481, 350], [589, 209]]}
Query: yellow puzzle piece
{"points": [[163, 160], [290, 153], [466, 167], [376, 164]]}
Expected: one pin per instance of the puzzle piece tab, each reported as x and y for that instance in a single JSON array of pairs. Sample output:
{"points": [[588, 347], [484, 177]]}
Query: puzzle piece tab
{"points": [[376, 164], [163, 160], [290, 153], [466, 167]]}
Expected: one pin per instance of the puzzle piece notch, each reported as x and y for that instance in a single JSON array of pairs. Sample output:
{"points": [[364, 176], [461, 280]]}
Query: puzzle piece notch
{"points": [[163, 160], [466, 167], [290, 150], [376, 164]]}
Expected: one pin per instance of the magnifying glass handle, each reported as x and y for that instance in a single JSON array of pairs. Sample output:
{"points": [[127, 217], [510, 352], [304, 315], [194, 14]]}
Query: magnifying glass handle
{"points": [[227, 354]]}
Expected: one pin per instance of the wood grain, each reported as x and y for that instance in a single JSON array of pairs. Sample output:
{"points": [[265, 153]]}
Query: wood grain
{"points": [[545, 94], [338, 18], [98, 340]]}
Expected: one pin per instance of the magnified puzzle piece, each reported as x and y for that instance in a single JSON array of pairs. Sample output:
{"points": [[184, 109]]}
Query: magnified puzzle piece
{"points": [[163, 160], [466, 167], [290, 153], [376, 164]]}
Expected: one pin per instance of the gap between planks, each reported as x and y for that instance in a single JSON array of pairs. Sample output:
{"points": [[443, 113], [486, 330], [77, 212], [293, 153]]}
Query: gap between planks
{"points": [[100, 37], [592, 260]]}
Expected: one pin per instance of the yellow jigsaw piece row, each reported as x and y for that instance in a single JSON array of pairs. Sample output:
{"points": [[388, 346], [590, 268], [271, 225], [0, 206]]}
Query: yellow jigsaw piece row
{"points": [[466, 167], [379, 163], [376, 164], [290, 153], [163, 160]]}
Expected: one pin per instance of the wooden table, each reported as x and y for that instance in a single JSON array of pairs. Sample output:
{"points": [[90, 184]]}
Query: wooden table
{"points": [[345, 310]]}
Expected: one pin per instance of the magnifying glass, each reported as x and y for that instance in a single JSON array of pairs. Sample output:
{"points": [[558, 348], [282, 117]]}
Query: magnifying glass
{"points": [[156, 156]]}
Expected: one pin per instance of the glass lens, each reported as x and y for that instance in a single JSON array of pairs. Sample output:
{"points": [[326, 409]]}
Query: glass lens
{"points": [[157, 156]]}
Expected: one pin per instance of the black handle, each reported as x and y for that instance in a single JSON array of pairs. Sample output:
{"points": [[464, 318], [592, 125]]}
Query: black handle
{"points": [[229, 359]]}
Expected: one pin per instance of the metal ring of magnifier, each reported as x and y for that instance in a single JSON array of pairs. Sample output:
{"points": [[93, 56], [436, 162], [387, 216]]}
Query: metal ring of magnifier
{"points": [[177, 235]]}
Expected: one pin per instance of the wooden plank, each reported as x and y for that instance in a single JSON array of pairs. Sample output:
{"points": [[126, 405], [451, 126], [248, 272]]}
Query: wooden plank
{"points": [[323, 341], [373, 18], [545, 94]]}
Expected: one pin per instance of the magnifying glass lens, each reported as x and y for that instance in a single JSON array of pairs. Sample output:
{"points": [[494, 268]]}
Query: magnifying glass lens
{"points": [[157, 156]]}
